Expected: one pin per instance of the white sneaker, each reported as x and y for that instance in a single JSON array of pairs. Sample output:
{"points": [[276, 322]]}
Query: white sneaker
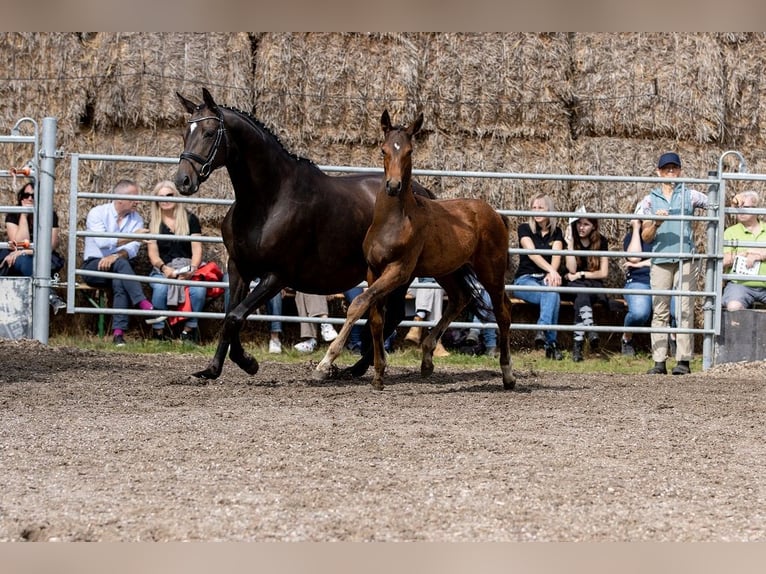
{"points": [[328, 332], [275, 346], [306, 346]]}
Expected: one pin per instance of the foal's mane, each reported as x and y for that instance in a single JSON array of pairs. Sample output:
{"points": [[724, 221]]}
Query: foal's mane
{"points": [[260, 127]]}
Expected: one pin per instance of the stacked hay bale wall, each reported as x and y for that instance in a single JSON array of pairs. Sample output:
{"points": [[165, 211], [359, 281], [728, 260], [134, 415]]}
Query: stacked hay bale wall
{"points": [[571, 103]]}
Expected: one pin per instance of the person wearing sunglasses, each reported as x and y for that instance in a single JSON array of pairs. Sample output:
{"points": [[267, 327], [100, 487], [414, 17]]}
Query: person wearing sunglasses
{"points": [[18, 261], [172, 259]]}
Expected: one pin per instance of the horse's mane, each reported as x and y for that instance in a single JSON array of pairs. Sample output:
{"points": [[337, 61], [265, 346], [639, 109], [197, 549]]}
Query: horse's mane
{"points": [[263, 129]]}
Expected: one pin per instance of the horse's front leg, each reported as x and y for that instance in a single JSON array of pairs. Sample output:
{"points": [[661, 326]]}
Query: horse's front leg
{"points": [[237, 292], [355, 312], [377, 319]]}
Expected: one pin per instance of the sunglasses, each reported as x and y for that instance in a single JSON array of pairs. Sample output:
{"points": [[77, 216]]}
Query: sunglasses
{"points": [[166, 195], [27, 195]]}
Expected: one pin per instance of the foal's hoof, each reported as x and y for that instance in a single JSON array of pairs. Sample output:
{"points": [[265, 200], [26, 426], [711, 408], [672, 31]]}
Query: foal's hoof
{"points": [[377, 385], [322, 374], [426, 369]]}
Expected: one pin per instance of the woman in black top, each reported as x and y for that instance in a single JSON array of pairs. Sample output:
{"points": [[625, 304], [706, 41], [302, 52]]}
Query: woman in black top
{"points": [[541, 232]]}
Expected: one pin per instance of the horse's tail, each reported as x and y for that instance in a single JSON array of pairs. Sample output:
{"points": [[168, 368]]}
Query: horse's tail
{"points": [[478, 303]]}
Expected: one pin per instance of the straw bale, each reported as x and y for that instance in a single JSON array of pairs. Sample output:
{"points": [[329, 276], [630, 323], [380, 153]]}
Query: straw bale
{"points": [[42, 76], [134, 76], [648, 85], [501, 85], [333, 87]]}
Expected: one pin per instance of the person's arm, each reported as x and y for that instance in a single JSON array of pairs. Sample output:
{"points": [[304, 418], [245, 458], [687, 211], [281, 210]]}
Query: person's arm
{"points": [[634, 246], [20, 232], [196, 258], [570, 260]]}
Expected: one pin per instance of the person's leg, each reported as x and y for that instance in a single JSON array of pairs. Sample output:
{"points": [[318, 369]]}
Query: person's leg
{"points": [[736, 297], [274, 307], [302, 303], [24, 266], [685, 341], [198, 296], [355, 337], [159, 298], [661, 278]]}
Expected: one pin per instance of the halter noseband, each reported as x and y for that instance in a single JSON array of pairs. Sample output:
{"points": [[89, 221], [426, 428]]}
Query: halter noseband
{"points": [[206, 168]]}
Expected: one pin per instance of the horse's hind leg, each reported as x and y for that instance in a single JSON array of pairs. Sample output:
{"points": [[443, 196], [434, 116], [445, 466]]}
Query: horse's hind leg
{"points": [[502, 307], [456, 302]]}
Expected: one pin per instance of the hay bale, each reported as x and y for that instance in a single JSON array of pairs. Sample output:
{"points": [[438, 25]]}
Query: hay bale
{"points": [[134, 76], [497, 85], [648, 85], [333, 87]]}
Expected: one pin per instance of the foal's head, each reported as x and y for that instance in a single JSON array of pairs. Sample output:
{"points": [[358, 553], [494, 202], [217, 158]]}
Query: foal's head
{"points": [[397, 153]]}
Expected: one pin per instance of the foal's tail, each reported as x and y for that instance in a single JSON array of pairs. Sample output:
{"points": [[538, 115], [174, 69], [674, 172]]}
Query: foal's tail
{"points": [[478, 300]]}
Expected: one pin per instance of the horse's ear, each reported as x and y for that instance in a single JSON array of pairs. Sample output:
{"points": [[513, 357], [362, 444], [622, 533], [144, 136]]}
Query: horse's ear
{"points": [[416, 125], [385, 122], [189, 106], [208, 99]]}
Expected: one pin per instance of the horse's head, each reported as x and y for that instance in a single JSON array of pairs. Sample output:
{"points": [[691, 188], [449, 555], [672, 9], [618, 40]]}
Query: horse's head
{"points": [[397, 153], [203, 139]]}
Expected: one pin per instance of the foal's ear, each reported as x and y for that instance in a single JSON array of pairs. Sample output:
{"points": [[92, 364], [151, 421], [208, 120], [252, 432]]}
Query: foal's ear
{"points": [[385, 122], [208, 99], [188, 105], [416, 125]]}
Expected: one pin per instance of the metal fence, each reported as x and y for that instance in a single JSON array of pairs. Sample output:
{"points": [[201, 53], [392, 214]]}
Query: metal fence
{"points": [[710, 262]]}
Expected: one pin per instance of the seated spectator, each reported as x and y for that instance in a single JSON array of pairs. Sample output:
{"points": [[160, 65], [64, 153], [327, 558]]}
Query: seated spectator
{"points": [[636, 277], [488, 335], [109, 254], [174, 260], [354, 343], [428, 307], [20, 229], [585, 271], [541, 232], [310, 305], [739, 294]]}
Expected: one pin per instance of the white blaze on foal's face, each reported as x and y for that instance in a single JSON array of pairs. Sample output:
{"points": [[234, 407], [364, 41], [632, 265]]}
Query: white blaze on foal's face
{"points": [[192, 127]]}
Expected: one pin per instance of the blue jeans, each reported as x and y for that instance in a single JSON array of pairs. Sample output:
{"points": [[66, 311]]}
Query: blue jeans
{"points": [[489, 335], [124, 291], [355, 337], [160, 299], [639, 306], [548, 301]]}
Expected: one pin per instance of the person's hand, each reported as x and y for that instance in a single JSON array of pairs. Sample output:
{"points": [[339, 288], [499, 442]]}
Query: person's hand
{"points": [[568, 236], [552, 279], [106, 262]]}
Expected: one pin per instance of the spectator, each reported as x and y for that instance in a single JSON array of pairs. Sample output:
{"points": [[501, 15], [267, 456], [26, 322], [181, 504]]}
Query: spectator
{"points": [[428, 307], [309, 305], [587, 271], [114, 255], [488, 335], [740, 294], [636, 277], [354, 343], [541, 232], [20, 229], [174, 260], [667, 272]]}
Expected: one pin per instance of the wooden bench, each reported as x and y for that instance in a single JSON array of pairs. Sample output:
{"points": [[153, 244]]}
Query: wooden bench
{"points": [[96, 296]]}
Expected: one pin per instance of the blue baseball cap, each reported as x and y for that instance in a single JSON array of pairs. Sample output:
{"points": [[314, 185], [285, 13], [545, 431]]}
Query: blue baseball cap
{"points": [[667, 159]]}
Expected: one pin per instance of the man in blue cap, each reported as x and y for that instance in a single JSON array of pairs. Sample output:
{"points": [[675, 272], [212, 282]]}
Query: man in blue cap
{"points": [[670, 236]]}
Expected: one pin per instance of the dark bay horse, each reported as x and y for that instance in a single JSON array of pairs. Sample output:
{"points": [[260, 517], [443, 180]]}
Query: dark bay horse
{"points": [[455, 241], [291, 225]]}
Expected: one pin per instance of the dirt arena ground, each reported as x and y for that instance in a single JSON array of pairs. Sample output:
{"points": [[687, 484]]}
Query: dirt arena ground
{"points": [[120, 447]]}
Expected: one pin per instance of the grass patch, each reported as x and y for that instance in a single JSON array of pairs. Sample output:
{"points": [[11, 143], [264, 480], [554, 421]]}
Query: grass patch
{"points": [[523, 359]]}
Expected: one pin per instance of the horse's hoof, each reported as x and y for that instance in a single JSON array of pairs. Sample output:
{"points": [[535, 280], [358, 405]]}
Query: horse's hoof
{"points": [[207, 375], [426, 370], [251, 368], [358, 369], [377, 385], [322, 374], [509, 385]]}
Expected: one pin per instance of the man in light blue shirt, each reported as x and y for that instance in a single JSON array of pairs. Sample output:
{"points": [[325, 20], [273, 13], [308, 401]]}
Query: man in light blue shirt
{"points": [[113, 255]]}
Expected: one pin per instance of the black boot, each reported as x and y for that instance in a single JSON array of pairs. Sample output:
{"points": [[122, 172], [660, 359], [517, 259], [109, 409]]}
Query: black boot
{"points": [[577, 351], [658, 369], [593, 341], [552, 351], [682, 368]]}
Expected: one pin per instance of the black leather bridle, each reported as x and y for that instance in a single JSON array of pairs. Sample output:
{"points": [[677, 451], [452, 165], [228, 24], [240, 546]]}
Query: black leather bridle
{"points": [[206, 164]]}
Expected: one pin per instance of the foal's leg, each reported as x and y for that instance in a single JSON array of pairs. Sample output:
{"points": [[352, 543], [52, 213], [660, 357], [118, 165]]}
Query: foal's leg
{"points": [[377, 318], [456, 302]]}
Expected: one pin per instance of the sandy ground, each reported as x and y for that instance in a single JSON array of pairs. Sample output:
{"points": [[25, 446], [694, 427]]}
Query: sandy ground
{"points": [[120, 447]]}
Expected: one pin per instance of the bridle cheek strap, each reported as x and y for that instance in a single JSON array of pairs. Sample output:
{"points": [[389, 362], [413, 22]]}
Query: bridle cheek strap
{"points": [[206, 163]]}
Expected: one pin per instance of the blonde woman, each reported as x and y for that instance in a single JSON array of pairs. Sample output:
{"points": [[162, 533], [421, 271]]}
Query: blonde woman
{"points": [[541, 232], [174, 259]]}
